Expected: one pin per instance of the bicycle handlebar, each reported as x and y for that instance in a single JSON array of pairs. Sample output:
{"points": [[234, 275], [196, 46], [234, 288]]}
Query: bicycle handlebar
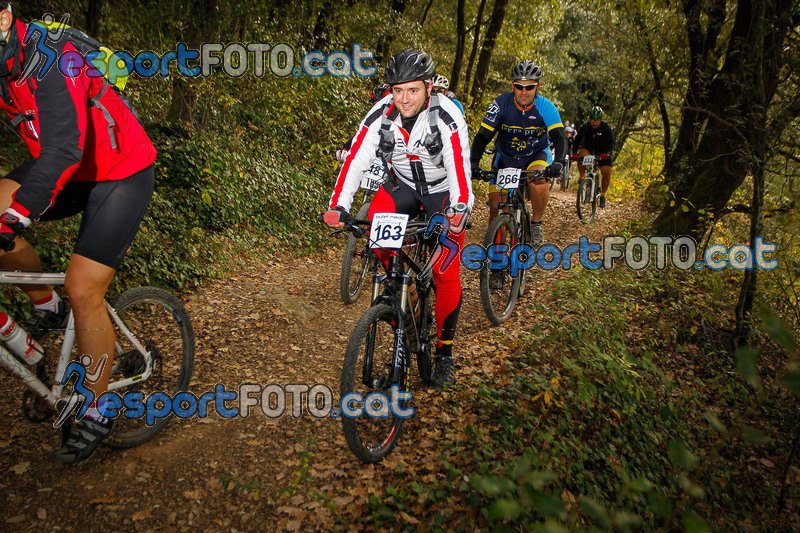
{"points": [[354, 226]]}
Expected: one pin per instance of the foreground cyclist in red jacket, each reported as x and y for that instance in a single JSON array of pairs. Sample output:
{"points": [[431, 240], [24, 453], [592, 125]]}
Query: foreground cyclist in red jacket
{"points": [[424, 139], [90, 155]]}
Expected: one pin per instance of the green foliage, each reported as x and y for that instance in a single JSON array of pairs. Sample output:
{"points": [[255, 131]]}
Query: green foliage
{"points": [[627, 412]]}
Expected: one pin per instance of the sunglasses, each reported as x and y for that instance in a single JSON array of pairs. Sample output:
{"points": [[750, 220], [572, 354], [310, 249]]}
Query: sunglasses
{"points": [[520, 87]]}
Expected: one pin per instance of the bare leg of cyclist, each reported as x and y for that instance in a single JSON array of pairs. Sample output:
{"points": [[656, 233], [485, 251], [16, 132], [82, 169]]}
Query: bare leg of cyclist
{"points": [[605, 173], [23, 256], [540, 195], [494, 202], [87, 283]]}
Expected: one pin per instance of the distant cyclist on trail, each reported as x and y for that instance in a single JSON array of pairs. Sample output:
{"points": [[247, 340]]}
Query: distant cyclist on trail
{"points": [[441, 85], [596, 138], [525, 122], [424, 137]]}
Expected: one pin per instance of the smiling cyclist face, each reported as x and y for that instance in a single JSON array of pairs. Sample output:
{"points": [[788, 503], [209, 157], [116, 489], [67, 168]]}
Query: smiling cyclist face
{"points": [[410, 97]]}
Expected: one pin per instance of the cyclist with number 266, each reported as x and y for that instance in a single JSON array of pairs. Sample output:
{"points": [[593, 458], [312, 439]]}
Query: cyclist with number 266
{"points": [[525, 122], [422, 137], [596, 138]]}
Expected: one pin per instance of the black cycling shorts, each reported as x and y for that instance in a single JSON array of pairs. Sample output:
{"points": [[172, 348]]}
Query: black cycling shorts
{"points": [[112, 212]]}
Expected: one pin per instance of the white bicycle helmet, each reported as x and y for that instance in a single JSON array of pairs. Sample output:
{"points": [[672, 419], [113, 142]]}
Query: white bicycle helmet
{"points": [[440, 81]]}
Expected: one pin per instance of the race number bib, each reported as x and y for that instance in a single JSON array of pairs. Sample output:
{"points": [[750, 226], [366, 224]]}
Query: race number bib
{"points": [[508, 178], [388, 230], [588, 161], [374, 177]]}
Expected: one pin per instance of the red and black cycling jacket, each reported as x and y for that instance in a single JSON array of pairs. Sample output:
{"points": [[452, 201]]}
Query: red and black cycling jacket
{"points": [[70, 136]]}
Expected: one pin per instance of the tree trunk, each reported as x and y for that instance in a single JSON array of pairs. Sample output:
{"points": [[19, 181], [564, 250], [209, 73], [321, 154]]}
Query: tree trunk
{"points": [[710, 163], [94, 18], [703, 60], [747, 293], [321, 25], [658, 91], [458, 60], [475, 41], [202, 16], [182, 103], [485, 59], [425, 13]]}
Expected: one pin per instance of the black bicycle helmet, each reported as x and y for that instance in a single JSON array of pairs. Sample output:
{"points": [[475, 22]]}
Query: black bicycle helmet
{"points": [[526, 70], [596, 112], [409, 65]]}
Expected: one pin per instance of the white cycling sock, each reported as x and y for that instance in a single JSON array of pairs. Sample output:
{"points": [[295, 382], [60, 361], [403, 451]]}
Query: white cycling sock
{"points": [[48, 304]]}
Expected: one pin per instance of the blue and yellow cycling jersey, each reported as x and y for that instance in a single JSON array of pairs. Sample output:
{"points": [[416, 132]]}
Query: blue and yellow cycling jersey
{"points": [[522, 133]]}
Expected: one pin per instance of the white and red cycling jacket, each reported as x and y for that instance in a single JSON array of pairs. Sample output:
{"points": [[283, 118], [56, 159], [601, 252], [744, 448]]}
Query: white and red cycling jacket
{"points": [[411, 162]]}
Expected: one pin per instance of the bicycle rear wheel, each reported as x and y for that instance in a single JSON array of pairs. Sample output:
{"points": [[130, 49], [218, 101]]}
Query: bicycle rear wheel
{"points": [[367, 369], [498, 289], [160, 323], [355, 263], [586, 200]]}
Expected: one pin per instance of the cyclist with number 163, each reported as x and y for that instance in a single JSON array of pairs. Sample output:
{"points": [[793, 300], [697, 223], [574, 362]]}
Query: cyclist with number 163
{"points": [[423, 138], [525, 122]]}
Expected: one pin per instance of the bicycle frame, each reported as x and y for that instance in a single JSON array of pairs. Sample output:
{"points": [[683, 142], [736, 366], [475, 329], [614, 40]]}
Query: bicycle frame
{"points": [[395, 277], [21, 370]]}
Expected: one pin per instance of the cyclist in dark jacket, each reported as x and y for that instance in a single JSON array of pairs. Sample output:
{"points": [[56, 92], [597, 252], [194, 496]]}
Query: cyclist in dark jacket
{"points": [[596, 138]]}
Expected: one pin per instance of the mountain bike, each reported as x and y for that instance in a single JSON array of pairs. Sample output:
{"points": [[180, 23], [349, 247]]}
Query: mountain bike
{"points": [[358, 259], [399, 324], [154, 352], [564, 177], [512, 226], [588, 189]]}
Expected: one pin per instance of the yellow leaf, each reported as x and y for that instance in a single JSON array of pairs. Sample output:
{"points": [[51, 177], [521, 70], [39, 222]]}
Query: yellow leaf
{"points": [[537, 397], [548, 396]]}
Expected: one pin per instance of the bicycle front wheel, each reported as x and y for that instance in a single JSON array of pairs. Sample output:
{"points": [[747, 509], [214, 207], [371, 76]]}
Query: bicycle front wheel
{"points": [[586, 201], [498, 289], [564, 178], [525, 231], [367, 370], [160, 323], [427, 334], [355, 263]]}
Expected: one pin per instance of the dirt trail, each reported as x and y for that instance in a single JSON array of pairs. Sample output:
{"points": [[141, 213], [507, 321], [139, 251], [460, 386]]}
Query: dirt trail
{"points": [[260, 474]]}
